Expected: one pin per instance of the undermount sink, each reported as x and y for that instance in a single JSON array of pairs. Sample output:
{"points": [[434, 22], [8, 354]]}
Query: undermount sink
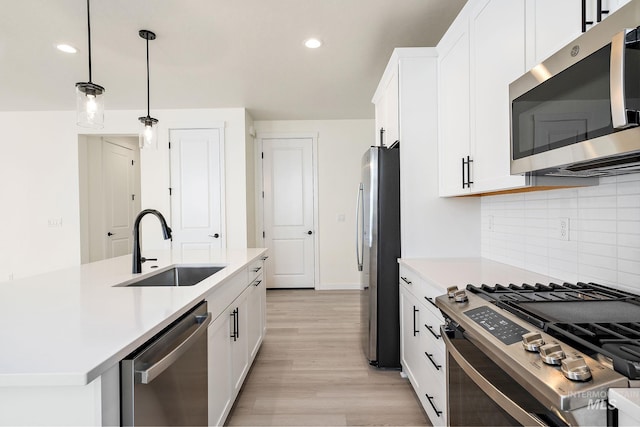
{"points": [[177, 276]]}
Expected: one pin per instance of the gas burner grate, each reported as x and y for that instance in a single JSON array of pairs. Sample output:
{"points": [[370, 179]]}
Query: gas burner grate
{"points": [[619, 342]]}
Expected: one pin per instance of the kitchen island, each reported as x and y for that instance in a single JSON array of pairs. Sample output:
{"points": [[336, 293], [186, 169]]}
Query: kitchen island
{"points": [[63, 333]]}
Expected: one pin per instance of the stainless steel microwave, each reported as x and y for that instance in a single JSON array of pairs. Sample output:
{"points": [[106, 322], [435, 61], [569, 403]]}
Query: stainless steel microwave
{"points": [[578, 112]]}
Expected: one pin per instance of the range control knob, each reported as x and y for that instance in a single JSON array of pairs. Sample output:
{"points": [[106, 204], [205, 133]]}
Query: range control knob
{"points": [[532, 341], [551, 354], [460, 296], [451, 290], [576, 369]]}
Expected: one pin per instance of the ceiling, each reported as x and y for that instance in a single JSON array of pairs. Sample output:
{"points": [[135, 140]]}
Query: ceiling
{"points": [[213, 53]]}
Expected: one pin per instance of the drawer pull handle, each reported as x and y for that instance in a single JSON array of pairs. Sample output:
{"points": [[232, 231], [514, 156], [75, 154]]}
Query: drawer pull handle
{"points": [[431, 301], [255, 270], [430, 328], [405, 280], [430, 356], [430, 398], [257, 282]]}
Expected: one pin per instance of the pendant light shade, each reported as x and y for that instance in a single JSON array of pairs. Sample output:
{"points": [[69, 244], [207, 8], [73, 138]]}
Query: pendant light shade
{"points": [[89, 96], [149, 131]]}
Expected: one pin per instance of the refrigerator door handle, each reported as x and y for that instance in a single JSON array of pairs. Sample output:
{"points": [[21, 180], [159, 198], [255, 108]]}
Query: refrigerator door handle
{"points": [[359, 239]]}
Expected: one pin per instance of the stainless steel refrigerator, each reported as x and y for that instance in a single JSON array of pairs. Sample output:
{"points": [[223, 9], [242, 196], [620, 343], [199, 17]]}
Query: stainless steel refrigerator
{"points": [[377, 251]]}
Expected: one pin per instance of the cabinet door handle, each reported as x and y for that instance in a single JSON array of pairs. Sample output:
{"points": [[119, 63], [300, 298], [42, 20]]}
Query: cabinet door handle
{"points": [[405, 280], [415, 331], [430, 328], [431, 301], [430, 398], [236, 324], [430, 356]]}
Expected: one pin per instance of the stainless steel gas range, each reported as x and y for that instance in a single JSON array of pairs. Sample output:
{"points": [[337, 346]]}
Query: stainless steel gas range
{"points": [[539, 354]]}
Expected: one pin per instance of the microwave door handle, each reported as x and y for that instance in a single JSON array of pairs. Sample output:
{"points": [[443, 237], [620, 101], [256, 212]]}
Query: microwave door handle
{"points": [[618, 100]]}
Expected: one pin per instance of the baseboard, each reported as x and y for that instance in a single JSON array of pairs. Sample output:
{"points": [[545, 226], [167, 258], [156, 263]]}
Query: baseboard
{"points": [[339, 287]]}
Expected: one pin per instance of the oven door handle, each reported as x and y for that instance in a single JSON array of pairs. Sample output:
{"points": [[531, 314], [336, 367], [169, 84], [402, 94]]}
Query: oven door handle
{"points": [[502, 400]]}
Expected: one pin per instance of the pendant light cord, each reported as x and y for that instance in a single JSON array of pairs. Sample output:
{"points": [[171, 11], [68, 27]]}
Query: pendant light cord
{"points": [[148, 92], [89, 32]]}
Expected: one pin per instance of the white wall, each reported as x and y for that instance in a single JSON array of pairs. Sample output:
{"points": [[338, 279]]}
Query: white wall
{"points": [[604, 232], [341, 144], [39, 181]]}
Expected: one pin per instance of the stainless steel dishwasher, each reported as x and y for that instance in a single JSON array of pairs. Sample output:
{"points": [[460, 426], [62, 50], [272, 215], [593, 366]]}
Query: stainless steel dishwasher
{"points": [[164, 382]]}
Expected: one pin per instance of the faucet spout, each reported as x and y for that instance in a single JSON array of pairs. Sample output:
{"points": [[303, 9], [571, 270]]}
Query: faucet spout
{"points": [[166, 233]]}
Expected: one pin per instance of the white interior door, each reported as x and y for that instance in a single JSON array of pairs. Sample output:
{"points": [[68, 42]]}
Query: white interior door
{"points": [[288, 212], [119, 198], [197, 183]]}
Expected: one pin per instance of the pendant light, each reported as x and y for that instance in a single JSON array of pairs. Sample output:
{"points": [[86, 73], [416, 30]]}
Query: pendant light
{"points": [[148, 134], [89, 96]]}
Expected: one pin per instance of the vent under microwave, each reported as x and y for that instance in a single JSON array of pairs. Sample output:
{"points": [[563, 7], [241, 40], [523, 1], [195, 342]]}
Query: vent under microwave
{"points": [[608, 166]]}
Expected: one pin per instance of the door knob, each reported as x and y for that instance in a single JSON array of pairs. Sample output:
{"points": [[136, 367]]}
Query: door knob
{"points": [[215, 236], [110, 234], [309, 232]]}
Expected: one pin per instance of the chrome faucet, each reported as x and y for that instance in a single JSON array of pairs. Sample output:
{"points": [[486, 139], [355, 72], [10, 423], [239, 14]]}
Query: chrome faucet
{"points": [[166, 232]]}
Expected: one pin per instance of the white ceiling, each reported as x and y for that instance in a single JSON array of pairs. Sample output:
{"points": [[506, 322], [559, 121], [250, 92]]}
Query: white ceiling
{"points": [[213, 53]]}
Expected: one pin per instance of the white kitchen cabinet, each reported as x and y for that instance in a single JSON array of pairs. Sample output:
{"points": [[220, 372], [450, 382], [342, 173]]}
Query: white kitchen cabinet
{"points": [[481, 53], [386, 106], [256, 311], [234, 338], [453, 107], [497, 29], [422, 351], [219, 374], [550, 25], [430, 226]]}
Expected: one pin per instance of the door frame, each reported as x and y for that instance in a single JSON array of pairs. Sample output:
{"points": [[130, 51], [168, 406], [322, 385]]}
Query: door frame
{"points": [[260, 191]]}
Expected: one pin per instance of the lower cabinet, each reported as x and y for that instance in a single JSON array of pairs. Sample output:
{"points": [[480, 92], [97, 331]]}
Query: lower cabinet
{"points": [[422, 351], [234, 338]]}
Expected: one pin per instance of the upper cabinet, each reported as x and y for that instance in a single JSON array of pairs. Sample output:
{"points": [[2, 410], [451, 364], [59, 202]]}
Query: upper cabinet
{"points": [[406, 104], [497, 58], [387, 120], [550, 24], [481, 53], [453, 108], [490, 44]]}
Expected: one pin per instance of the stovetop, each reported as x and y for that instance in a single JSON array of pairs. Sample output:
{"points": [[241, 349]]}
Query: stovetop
{"points": [[600, 321]]}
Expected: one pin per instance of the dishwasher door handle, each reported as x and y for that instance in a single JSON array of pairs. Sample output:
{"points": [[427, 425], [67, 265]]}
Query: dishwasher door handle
{"points": [[149, 374]]}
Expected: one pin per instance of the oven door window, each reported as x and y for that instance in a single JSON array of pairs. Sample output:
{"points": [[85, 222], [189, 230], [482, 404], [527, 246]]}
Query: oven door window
{"points": [[484, 404]]}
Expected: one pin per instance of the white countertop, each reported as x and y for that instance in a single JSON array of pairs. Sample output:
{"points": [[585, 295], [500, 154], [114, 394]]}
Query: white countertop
{"points": [[69, 326], [627, 400], [445, 272]]}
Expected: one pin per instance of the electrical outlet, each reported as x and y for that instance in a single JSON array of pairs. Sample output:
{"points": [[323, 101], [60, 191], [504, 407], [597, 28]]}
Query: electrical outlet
{"points": [[563, 228], [55, 222]]}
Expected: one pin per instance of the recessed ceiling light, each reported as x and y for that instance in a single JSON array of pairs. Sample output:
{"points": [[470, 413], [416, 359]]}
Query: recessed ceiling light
{"points": [[312, 43], [67, 48]]}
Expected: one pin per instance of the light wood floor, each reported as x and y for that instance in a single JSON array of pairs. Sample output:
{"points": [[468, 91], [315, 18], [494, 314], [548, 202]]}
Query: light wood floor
{"points": [[311, 369]]}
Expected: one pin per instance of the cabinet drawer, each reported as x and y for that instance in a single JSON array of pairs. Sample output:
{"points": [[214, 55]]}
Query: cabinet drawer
{"points": [[425, 292], [256, 268], [433, 399]]}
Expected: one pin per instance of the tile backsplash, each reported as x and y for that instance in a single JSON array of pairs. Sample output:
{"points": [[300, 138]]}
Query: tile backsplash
{"points": [[602, 224]]}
